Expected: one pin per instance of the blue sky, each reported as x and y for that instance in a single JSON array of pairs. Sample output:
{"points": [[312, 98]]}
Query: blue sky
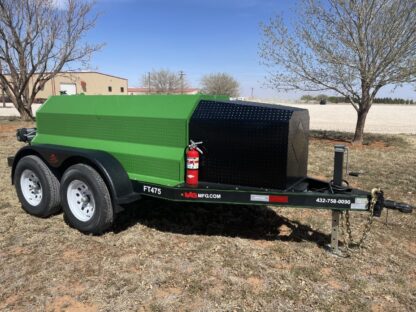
{"points": [[195, 36]]}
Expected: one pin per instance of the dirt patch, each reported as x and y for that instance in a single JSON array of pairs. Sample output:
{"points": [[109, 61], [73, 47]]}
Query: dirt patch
{"points": [[386, 304], [332, 279], [283, 266], [256, 284], [10, 127], [72, 289], [9, 302], [327, 272], [263, 244], [334, 284], [18, 251], [412, 248], [71, 255], [284, 230], [69, 304], [167, 292]]}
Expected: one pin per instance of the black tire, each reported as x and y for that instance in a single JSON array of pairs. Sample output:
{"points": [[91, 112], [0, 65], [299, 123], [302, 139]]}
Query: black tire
{"points": [[49, 184], [103, 215]]}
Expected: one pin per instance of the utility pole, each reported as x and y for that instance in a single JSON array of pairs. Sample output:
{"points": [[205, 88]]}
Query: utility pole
{"points": [[252, 93], [181, 75], [148, 81]]}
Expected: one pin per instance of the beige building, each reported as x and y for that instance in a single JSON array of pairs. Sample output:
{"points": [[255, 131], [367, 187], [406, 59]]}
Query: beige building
{"points": [[89, 83]]}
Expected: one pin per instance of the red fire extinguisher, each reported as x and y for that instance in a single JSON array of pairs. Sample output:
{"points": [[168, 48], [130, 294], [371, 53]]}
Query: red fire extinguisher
{"points": [[192, 163]]}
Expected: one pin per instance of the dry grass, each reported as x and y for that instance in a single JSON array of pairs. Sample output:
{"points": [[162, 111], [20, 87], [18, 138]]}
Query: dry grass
{"points": [[175, 257]]}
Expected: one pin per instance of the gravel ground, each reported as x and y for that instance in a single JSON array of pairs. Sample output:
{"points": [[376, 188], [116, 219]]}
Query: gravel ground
{"points": [[393, 119]]}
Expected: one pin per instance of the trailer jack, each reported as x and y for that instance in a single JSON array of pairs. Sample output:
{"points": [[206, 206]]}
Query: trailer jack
{"points": [[375, 207]]}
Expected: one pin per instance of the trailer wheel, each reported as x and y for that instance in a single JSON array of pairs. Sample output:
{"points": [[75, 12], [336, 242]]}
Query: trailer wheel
{"points": [[86, 200], [37, 187]]}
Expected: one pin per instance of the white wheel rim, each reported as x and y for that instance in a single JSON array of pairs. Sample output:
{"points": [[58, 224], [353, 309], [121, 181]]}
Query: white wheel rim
{"points": [[31, 187], [80, 200]]}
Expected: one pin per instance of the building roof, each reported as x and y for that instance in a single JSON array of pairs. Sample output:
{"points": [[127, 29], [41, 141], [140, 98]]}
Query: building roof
{"points": [[91, 72], [144, 90], [83, 72]]}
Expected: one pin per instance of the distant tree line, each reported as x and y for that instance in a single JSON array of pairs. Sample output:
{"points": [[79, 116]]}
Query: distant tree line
{"points": [[392, 101], [341, 99], [164, 81]]}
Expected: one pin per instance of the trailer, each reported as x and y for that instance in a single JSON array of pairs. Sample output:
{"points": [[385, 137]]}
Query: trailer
{"points": [[90, 155]]}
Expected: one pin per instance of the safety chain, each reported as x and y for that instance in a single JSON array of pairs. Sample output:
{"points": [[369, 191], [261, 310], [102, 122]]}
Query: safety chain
{"points": [[346, 224]]}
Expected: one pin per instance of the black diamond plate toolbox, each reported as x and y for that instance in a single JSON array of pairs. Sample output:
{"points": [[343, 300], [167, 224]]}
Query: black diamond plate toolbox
{"points": [[251, 144]]}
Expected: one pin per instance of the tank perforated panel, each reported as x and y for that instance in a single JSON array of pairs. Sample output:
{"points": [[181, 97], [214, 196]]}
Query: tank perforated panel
{"points": [[243, 143]]}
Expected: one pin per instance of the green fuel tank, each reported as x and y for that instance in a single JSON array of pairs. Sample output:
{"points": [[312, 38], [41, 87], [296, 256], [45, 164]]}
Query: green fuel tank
{"points": [[148, 134]]}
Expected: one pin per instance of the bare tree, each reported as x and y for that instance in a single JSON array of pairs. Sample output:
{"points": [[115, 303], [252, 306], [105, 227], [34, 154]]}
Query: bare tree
{"points": [[220, 84], [164, 81], [37, 39], [352, 47]]}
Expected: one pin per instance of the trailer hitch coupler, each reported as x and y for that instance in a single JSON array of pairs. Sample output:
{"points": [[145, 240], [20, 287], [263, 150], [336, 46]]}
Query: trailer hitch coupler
{"points": [[402, 207]]}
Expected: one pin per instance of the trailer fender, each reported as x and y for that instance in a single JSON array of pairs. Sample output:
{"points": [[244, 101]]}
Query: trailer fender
{"points": [[59, 158]]}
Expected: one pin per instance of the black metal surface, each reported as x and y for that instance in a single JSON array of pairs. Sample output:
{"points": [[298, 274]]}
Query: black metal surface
{"points": [[402, 207], [25, 134], [316, 195], [251, 144], [379, 205], [250, 196], [338, 164], [10, 161]]}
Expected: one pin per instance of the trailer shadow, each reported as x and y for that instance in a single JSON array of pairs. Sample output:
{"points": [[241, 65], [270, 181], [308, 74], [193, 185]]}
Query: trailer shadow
{"points": [[250, 222]]}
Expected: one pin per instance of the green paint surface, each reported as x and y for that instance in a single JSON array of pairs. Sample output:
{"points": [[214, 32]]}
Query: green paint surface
{"points": [[148, 134]]}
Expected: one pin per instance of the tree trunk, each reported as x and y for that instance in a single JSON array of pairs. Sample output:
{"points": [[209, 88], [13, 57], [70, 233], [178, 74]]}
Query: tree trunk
{"points": [[359, 128], [3, 97], [25, 113], [363, 108]]}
